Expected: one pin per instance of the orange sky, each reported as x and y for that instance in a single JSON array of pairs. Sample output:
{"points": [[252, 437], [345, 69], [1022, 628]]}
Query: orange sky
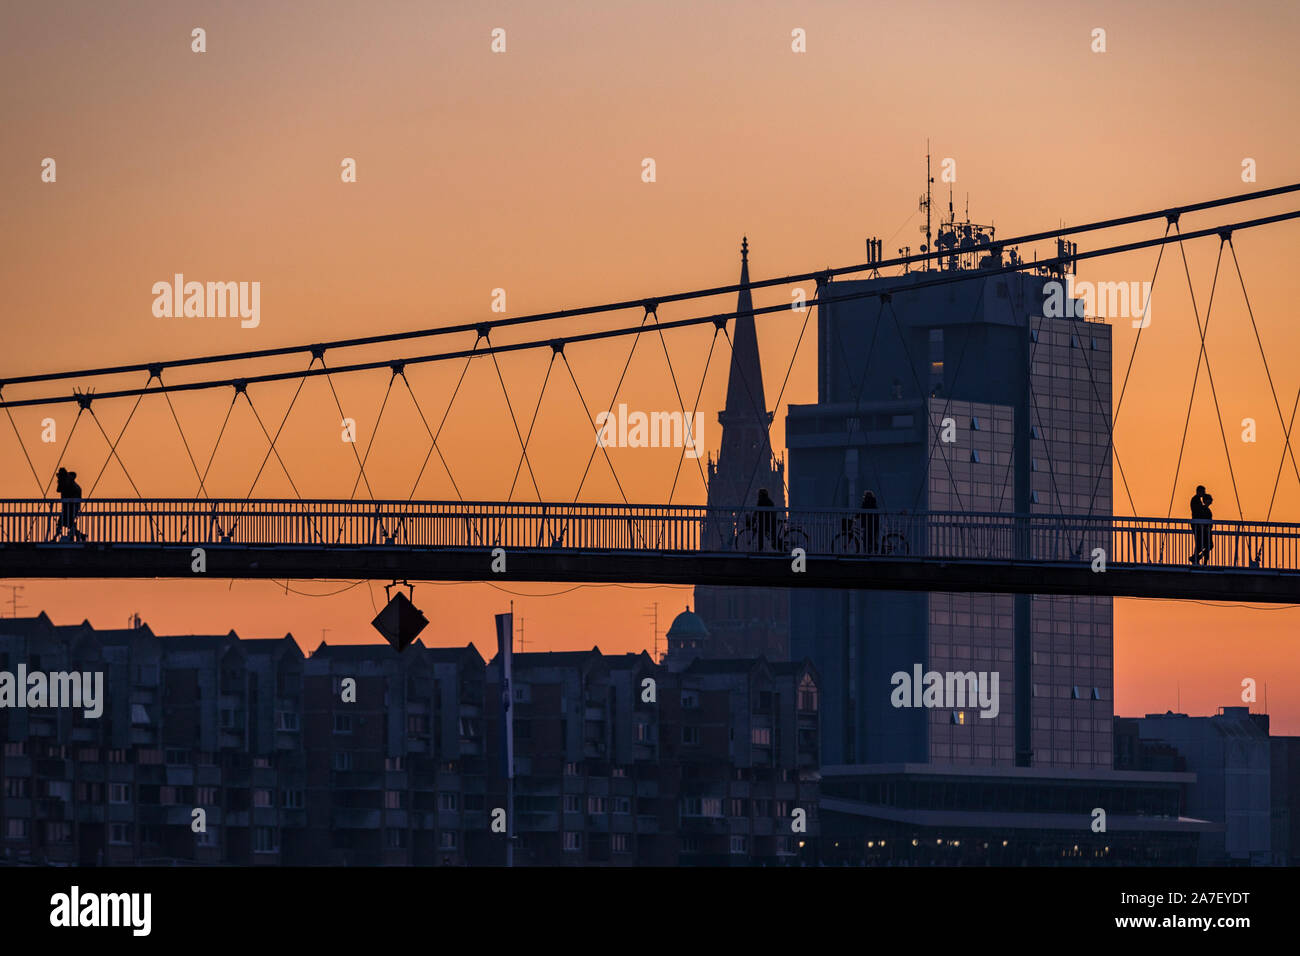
{"points": [[522, 171]]}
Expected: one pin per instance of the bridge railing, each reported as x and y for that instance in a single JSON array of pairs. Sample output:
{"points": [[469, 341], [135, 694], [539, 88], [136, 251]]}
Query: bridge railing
{"points": [[980, 536]]}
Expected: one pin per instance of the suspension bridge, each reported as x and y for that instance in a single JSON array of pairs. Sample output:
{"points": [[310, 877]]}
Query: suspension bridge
{"points": [[577, 541]]}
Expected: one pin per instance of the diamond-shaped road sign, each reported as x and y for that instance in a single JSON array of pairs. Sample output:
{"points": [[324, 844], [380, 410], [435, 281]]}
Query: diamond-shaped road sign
{"points": [[400, 622]]}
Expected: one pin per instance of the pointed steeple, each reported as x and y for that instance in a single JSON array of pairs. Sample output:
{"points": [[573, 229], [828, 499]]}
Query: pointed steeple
{"points": [[745, 397], [745, 461]]}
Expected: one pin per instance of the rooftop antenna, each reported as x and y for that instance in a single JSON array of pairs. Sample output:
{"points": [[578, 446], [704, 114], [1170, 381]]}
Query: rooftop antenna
{"points": [[13, 598], [522, 642], [926, 202], [653, 610]]}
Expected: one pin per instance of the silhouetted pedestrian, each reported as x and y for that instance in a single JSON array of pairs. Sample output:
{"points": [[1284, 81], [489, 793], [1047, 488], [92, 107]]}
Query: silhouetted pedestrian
{"points": [[766, 519], [1202, 525], [869, 523], [70, 493]]}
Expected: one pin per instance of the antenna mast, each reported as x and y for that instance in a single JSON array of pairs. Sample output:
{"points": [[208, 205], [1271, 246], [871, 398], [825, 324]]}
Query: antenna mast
{"points": [[926, 202]]}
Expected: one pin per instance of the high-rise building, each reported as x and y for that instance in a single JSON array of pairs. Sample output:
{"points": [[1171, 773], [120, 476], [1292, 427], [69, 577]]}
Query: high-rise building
{"points": [[966, 396], [745, 622]]}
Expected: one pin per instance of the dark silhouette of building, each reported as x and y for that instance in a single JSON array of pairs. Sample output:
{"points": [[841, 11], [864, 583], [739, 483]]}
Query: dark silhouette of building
{"points": [[358, 755], [744, 622]]}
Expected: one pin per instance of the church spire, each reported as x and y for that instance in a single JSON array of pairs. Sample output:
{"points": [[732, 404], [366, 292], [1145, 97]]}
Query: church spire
{"points": [[746, 402]]}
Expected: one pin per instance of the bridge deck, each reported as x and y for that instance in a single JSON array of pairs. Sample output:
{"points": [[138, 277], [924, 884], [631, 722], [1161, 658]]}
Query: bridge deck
{"points": [[435, 540]]}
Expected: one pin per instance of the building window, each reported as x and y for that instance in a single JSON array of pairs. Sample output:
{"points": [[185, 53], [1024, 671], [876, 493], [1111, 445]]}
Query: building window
{"points": [[597, 805], [117, 756], [58, 832], [263, 797], [1033, 336], [119, 793], [342, 723], [396, 839], [392, 763], [1096, 694], [959, 717], [710, 806], [342, 760], [207, 837], [1033, 431], [619, 843], [1074, 693], [690, 735], [690, 700], [418, 724], [572, 803], [293, 799], [119, 833], [523, 693], [287, 720], [447, 839], [739, 843], [807, 693], [447, 801], [622, 804], [392, 799], [975, 424], [974, 455], [16, 787], [572, 841], [642, 732], [570, 769], [761, 736], [266, 840]]}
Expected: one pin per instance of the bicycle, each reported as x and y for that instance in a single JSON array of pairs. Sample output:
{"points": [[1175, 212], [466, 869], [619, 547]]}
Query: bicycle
{"points": [[784, 536], [851, 540]]}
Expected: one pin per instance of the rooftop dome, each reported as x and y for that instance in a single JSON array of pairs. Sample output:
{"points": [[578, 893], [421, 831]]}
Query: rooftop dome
{"points": [[688, 626]]}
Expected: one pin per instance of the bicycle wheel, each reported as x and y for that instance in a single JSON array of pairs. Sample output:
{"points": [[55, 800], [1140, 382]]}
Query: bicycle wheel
{"points": [[894, 543], [794, 538]]}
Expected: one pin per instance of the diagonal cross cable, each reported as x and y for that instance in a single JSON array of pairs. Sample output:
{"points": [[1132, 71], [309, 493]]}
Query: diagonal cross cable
{"points": [[113, 443], [319, 353], [887, 300], [217, 444], [272, 449], [857, 399], [599, 445], [1203, 354], [1113, 423], [948, 395], [374, 433], [691, 439], [779, 395], [1282, 462], [184, 441], [21, 444], [1286, 429], [433, 436], [760, 413], [531, 425], [485, 333], [652, 308]]}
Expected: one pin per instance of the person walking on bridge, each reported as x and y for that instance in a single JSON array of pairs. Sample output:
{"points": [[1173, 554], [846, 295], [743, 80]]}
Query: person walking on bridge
{"points": [[70, 493], [1202, 525]]}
